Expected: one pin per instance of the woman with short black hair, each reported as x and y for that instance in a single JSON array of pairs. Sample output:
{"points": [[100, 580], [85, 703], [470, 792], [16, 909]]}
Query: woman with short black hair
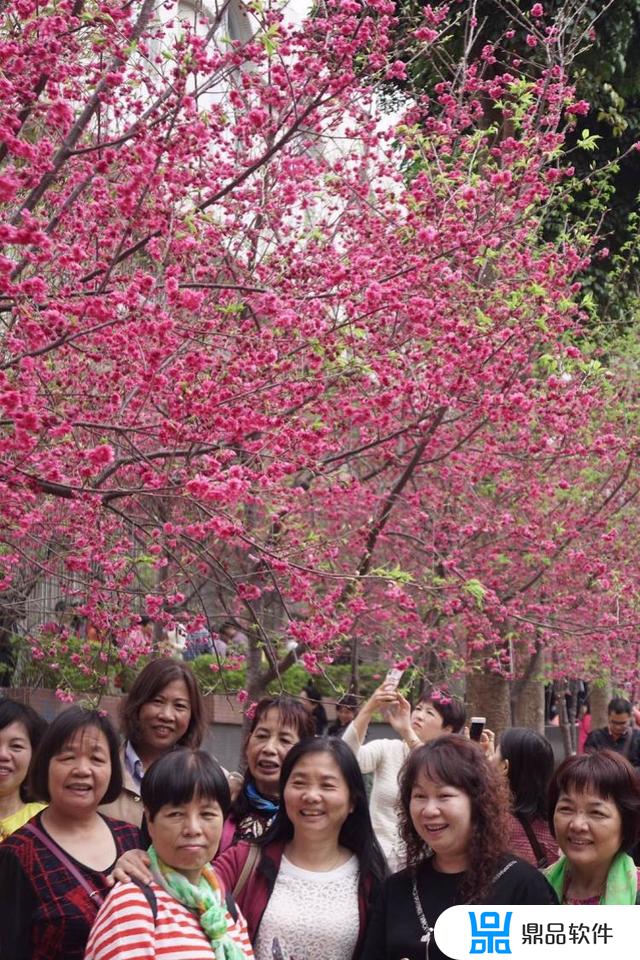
{"points": [[594, 814], [53, 870], [183, 910], [21, 729]]}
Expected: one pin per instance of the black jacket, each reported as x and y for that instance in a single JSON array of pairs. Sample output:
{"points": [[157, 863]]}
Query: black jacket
{"points": [[394, 930], [628, 746]]}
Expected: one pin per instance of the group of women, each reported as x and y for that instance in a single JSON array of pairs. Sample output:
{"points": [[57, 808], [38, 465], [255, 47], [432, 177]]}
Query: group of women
{"points": [[292, 867]]}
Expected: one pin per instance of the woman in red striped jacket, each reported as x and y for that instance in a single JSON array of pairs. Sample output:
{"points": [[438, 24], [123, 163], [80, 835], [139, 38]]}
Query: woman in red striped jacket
{"points": [[183, 911]]}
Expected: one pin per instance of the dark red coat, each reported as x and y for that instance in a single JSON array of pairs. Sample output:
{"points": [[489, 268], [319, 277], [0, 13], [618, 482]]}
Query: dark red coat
{"points": [[254, 897]]}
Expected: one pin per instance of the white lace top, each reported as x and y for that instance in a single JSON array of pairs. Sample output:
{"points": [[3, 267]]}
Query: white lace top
{"points": [[313, 915]]}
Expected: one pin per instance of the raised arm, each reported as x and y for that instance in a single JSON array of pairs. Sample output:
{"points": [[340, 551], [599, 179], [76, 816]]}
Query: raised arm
{"points": [[380, 699]]}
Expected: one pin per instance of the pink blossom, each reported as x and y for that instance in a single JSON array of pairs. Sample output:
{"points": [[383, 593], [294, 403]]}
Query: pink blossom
{"points": [[100, 456], [397, 71], [64, 695], [426, 34], [580, 108], [9, 185]]}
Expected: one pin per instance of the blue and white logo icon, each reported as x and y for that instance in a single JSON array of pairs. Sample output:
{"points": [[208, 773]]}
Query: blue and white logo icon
{"points": [[522, 931], [490, 932]]}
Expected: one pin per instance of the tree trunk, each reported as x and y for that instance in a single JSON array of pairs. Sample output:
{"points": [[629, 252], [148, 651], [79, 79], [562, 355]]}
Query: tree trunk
{"points": [[488, 696], [255, 672], [599, 697], [565, 727], [527, 693]]}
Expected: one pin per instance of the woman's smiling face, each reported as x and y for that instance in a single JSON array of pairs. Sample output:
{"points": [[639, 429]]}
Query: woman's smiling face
{"points": [[15, 757], [317, 797], [441, 816], [164, 719], [80, 773], [588, 828], [427, 721]]}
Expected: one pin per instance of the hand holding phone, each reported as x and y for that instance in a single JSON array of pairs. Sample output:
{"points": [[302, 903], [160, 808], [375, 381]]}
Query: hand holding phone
{"points": [[476, 728], [393, 678]]}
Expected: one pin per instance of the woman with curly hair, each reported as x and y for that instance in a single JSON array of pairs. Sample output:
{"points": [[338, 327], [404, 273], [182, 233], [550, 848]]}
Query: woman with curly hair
{"points": [[454, 821]]}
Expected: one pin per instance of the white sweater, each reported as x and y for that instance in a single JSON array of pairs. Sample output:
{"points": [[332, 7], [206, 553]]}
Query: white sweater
{"points": [[384, 759]]}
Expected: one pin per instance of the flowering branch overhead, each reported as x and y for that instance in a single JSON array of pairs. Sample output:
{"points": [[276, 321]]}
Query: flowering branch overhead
{"points": [[264, 348]]}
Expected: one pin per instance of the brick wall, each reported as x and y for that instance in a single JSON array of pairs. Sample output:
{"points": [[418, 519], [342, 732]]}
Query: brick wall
{"points": [[218, 708]]}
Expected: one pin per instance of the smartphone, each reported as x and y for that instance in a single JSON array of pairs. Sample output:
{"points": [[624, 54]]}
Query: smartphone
{"points": [[393, 678], [476, 728]]}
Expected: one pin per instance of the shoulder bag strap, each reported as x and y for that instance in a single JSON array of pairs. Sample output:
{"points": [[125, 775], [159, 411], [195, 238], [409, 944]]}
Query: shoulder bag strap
{"points": [[149, 896], [542, 859], [231, 907], [94, 895], [247, 869]]}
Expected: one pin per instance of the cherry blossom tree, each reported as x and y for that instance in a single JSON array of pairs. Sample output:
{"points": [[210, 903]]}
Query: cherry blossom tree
{"points": [[268, 354]]}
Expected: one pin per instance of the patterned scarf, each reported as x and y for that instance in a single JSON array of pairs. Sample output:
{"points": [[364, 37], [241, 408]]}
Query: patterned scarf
{"points": [[205, 898], [621, 886]]}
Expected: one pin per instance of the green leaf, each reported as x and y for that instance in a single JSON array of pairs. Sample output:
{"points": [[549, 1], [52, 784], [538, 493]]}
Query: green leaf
{"points": [[397, 574], [476, 590]]}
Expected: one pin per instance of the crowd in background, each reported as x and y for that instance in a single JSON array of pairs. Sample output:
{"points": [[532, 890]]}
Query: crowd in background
{"points": [[145, 847]]}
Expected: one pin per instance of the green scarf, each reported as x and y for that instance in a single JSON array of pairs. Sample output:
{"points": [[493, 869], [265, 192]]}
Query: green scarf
{"points": [[205, 898], [622, 880]]}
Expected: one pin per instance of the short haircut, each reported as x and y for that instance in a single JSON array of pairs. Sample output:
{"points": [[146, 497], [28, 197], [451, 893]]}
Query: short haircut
{"points": [[530, 769], [179, 776], [58, 734], [610, 776], [13, 712], [450, 709], [148, 684], [619, 705]]}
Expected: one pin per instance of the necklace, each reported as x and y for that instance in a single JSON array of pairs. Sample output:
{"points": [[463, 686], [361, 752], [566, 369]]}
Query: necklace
{"points": [[427, 930]]}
